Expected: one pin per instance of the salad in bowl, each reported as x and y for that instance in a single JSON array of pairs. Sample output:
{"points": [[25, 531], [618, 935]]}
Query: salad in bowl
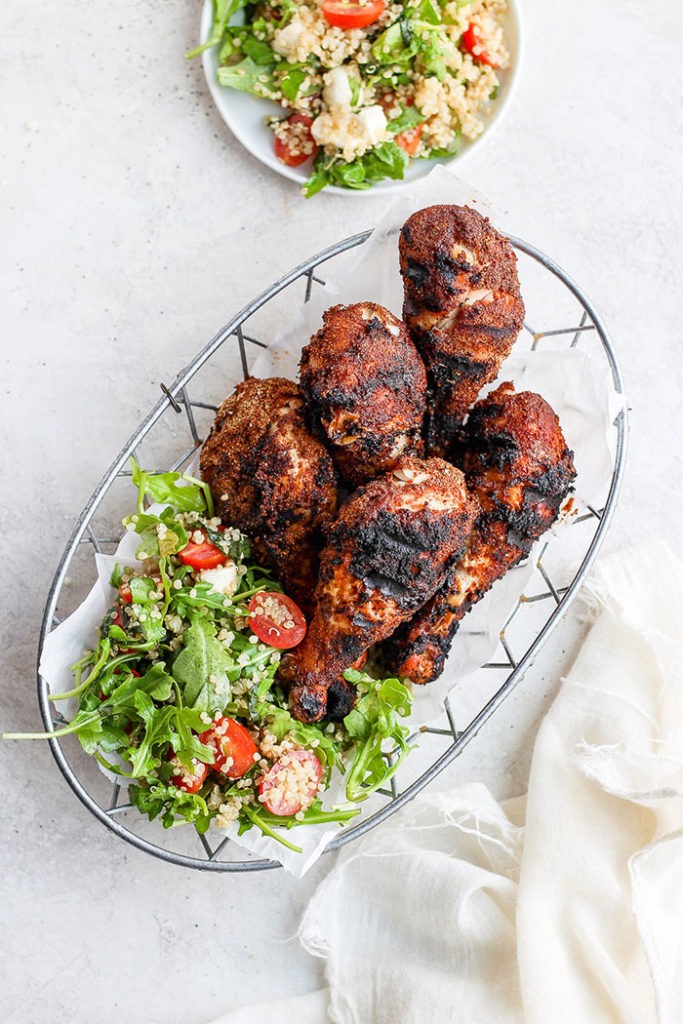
{"points": [[356, 93]]}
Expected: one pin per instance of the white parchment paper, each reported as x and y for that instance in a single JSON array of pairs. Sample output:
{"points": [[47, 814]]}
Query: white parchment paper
{"points": [[578, 386]]}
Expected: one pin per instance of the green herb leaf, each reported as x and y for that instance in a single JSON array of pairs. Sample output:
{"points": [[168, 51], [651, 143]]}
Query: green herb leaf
{"points": [[160, 535], [290, 78], [222, 13], [374, 724], [384, 161], [202, 668], [171, 804], [258, 51], [183, 492], [248, 76], [391, 47], [409, 118]]}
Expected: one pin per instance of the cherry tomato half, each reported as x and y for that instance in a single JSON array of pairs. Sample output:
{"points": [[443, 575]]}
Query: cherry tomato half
{"points": [[295, 143], [277, 620], [189, 780], [291, 784], [202, 556], [410, 139], [345, 15], [232, 745], [472, 43], [125, 594]]}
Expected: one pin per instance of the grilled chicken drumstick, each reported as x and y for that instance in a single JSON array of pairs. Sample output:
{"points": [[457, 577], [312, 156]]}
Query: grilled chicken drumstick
{"points": [[365, 388], [389, 550], [517, 464], [272, 479], [463, 307]]}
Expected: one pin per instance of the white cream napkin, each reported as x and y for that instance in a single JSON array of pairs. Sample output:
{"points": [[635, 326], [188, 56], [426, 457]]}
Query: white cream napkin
{"points": [[566, 907]]}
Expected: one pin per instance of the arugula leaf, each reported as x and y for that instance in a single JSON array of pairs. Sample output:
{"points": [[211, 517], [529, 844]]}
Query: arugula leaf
{"points": [[156, 683], [268, 823], [171, 804], [185, 743], [248, 76], [428, 11], [198, 597], [434, 53], [202, 668], [290, 78], [222, 13], [313, 815], [258, 50], [384, 161], [290, 7], [418, 31], [397, 44], [160, 535], [374, 724], [183, 492], [140, 589], [116, 577], [157, 732], [409, 118]]}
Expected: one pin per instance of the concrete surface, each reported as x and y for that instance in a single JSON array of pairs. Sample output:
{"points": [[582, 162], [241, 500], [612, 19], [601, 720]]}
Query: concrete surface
{"points": [[133, 226]]}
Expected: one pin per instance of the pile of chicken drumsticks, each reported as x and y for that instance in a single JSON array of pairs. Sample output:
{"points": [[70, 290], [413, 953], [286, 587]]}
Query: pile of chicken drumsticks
{"points": [[384, 496]]}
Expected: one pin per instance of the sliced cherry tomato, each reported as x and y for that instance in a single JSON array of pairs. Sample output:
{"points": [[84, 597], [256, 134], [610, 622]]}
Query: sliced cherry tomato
{"points": [[202, 556], [344, 14], [232, 745], [410, 139], [277, 620], [190, 781], [291, 784], [295, 143], [472, 43]]}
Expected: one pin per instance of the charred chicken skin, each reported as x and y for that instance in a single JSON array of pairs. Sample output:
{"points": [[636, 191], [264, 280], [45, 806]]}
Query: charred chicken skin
{"points": [[463, 307], [272, 479], [365, 387], [390, 549], [518, 466]]}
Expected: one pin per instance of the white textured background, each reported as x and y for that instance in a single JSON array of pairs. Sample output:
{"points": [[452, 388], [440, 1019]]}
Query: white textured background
{"points": [[133, 226]]}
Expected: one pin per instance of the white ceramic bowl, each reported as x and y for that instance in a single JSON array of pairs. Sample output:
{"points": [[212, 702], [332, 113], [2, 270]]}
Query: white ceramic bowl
{"points": [[245, 114]]}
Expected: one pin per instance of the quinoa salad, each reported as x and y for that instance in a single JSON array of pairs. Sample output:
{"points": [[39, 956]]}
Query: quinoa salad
{"points": [[365, 87], [180, 696]]}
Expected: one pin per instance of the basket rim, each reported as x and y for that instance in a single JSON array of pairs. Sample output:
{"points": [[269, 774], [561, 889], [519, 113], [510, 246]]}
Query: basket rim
{"points": [[167, 400]]}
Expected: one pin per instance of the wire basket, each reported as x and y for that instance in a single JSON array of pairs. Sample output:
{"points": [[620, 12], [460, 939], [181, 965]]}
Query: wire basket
{"points": [[189, 411]]}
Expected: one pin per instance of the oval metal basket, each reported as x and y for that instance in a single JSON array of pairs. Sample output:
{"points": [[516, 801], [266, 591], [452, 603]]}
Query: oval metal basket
{"points": [[187, 406]]}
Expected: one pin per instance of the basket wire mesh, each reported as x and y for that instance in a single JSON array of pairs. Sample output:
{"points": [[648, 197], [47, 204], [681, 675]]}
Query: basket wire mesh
{"points": [[536, 613]]}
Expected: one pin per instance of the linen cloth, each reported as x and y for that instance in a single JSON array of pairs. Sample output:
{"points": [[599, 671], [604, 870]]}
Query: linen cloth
{"points": [[564, 907]]}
